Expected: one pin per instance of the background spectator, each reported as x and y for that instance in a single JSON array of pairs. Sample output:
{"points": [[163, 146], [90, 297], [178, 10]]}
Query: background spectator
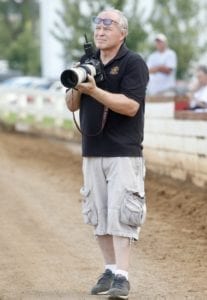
{"points": [[198, 93], [162, 65]]}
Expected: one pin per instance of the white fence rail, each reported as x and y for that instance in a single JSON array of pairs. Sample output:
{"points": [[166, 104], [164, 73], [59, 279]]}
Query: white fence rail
{"points": [[171, 146], [175, 147], [36, 103]]}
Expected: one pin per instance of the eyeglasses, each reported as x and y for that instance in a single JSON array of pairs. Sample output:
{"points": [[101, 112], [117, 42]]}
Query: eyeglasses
{"points": [[106, 22]]}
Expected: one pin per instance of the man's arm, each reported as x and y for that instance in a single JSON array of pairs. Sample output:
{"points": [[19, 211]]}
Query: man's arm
{"points": [[116, 102], [73, 99], [161, 68]]}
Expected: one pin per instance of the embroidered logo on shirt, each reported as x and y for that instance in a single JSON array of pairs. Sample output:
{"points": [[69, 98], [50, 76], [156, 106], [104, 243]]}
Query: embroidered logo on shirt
{"points": [[114, 70]]}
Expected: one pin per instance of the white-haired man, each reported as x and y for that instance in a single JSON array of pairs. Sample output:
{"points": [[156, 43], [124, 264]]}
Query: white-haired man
{"points": [[113, 165]]}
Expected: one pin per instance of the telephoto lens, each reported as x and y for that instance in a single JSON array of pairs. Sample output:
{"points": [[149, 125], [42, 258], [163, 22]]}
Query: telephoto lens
{"points": [[72, 77]]}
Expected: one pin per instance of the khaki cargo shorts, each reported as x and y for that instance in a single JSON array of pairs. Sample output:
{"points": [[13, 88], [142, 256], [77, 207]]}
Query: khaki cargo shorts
{"points": [[114, 195]]}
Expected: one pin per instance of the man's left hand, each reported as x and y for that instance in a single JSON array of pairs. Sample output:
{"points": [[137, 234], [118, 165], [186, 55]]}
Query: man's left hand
{"points": [[87, 87]]}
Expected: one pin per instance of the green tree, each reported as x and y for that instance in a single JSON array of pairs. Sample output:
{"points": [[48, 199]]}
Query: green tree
{"points": [[19, 35], [179, 19], [181, 22], [75, 20]]}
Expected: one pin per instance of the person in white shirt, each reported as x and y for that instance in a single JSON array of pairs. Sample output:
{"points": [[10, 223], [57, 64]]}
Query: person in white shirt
{"points": [[199, 92], [162, 65]]}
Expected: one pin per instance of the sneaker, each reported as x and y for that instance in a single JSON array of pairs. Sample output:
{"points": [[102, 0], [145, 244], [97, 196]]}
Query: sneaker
{"points": [[104, 283], [120, 288]]}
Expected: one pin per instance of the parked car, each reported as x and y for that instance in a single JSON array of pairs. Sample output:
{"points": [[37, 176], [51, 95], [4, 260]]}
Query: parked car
{"points": [[27, 82], [9, 74], [56, 86]]}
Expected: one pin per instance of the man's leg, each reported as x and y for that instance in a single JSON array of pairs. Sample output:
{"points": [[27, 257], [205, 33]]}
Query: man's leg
{"points": [[115, 251], [120, 286], [121, 247], [105, 281], [107, 248]]}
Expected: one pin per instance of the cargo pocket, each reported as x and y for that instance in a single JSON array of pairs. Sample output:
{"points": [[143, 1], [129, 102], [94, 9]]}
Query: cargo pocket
{"points": [[133, 209], [88, 207]]}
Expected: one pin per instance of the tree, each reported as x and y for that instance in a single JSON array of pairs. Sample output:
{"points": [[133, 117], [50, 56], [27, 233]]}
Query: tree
{"points": [[75, 20], [180, 21], [19, 35]]}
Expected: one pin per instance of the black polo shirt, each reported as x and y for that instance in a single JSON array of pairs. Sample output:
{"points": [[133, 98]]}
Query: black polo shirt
{"points": [[122, 135]]}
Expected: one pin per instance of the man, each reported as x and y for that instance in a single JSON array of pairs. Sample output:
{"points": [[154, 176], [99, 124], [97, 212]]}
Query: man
{"points": [[162, 65], [113, 166]]}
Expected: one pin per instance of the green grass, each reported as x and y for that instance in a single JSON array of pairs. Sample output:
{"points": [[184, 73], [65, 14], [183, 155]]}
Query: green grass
{"points": [[67, 124], [46, 122], [9, 118], [29, 119]]}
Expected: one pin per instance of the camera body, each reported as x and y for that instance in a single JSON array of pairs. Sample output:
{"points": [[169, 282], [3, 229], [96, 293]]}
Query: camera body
{"points": [[92, 66]]}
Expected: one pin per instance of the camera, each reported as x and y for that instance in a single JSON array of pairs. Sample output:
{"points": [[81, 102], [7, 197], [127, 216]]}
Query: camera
{"points": [[93, 66]]}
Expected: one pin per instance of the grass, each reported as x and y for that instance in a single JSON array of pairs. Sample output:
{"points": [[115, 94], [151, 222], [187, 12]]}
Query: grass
{"points": [[67, 124], [10, 118], [47, 122]]}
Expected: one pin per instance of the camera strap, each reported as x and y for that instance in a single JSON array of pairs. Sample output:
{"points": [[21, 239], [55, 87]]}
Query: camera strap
{"points": [[103, 122]]}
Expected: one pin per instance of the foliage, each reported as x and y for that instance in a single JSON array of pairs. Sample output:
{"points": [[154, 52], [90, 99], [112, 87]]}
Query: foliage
{"points": [[75, 20], [180, 22], [24, 54], [19, 36], [178, 19]]}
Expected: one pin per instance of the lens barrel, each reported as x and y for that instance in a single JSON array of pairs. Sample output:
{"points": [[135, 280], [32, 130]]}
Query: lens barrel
{"points": [[69, 78]]}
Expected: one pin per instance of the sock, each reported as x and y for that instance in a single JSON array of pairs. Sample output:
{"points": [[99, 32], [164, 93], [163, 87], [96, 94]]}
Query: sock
{"points": [[111, 267], [122, 272]]}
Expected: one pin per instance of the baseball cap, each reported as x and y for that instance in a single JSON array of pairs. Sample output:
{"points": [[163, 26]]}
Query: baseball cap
{"points": [[161, 37]]}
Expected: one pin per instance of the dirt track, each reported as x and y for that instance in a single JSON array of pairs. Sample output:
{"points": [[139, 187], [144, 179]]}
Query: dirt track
{"points": [[46, 252]]}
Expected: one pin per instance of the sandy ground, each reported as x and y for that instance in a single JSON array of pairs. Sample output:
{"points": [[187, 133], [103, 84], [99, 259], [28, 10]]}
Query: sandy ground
{"points": [[46, 252]]}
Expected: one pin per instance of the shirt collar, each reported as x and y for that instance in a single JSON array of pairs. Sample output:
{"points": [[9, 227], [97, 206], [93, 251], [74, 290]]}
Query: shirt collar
{"points": [[122, 52]]}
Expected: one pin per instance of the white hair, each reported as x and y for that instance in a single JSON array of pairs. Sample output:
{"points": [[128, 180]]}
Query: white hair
{"points": [[123, 22]]}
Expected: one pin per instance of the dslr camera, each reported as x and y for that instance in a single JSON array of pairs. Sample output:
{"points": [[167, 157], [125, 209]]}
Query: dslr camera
{"points": [[93, 66]]}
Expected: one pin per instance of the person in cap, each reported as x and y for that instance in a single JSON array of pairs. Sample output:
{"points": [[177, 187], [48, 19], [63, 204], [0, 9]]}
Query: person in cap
{"points": [[162, 65]]}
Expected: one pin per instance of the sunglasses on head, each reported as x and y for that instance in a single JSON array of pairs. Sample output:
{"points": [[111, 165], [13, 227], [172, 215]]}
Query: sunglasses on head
{"points": [[106, 22]]}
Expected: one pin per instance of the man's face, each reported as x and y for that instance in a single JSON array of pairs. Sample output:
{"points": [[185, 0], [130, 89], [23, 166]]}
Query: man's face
{"points": [[160, 45], [202, 77], [108, 33]]}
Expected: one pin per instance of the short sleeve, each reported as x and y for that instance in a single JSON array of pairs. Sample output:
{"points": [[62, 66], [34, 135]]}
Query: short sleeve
{"points": [[135, 79]]}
